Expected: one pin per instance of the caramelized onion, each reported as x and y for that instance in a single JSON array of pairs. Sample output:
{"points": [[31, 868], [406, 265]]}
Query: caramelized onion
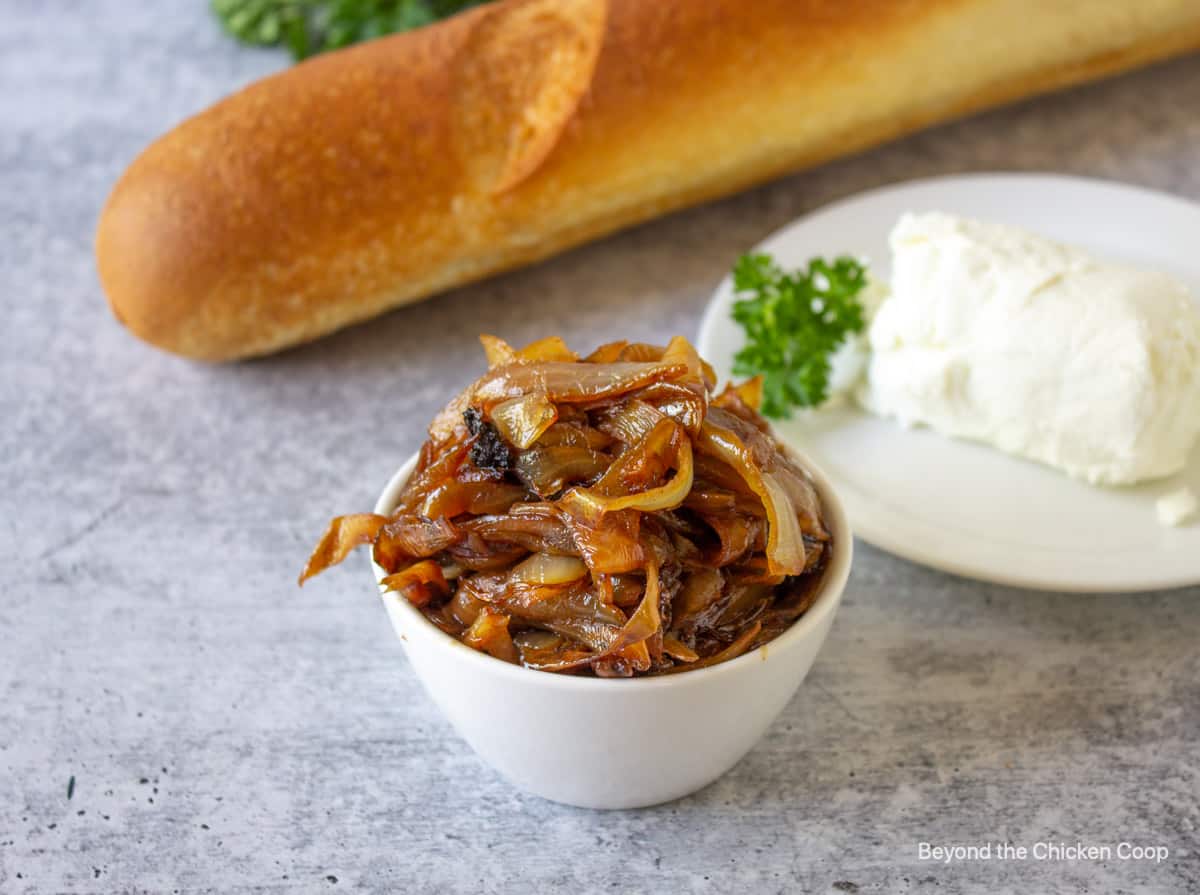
{"points": [[607, 353], [566, 604], [566, 382], [534, 526], [549, 348], [489, 634], [408, 537], [677, 650], [735, 649], [497, 351], [641, 351], [521, 421], [609, 516], [750, 393], [546, 471], [420, 583], [646, 619], [608, 542], [454, 497], [342, 536], [630, 421], [548, 568], [785, 543], [550, 651], [605, 497], [680, 402], [701, 590], [438, 470], [575, 435]]}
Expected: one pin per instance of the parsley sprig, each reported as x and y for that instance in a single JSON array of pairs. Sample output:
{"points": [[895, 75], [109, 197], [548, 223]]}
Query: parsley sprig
{"points": [[311, 26], [794, 322]]}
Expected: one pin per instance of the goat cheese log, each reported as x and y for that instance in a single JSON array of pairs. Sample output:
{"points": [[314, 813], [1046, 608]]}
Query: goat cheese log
{"points": [[371, 177], [997, 335]]}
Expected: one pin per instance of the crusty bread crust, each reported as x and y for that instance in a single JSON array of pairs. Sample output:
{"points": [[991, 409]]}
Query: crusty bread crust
{"points": [[371, 177]]}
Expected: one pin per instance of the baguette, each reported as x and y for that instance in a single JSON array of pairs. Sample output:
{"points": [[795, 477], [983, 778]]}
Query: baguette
{"points": [[371, 177]]}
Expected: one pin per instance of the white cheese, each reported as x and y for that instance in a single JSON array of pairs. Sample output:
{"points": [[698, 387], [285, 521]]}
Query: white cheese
{"points": [[848, 363], [1177, 507], [997, 335]]}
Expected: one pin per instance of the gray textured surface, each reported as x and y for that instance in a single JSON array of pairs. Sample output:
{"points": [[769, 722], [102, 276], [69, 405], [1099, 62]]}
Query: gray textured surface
{"points": [[228, 732]]}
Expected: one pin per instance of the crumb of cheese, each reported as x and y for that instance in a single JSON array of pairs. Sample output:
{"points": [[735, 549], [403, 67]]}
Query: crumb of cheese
{"points": [[1177, 507]]}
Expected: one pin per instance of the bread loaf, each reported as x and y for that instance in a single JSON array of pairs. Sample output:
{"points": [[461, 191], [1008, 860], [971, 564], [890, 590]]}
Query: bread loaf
{"points": [[371, 177]]}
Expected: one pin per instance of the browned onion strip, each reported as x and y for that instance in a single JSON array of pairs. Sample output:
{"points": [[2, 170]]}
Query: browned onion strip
{"points": [[543, 531], [569, 383], [596, 635], [575, 435], [642, 464], [677, 650], [549, 348], [607, 353], [646, 619], [630, 421], [549, 568], [803, 497], [579, 603], [737, 535], [489, 634], [678, 401], [546, 471], [497, 351], [610, 516], [732, 651], [420, 584], [408, 537], [453, 497], [785, 543], [606, 497], [607, 542], [641, 352], [710, 500], [749, 392], [439, 470], [680, 351], [521, 421], [701, 590], [551, 651], [342, 536]]}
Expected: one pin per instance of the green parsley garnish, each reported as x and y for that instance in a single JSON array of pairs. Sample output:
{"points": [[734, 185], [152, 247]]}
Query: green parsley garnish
{"points": [[311, 26], [794, 323]]}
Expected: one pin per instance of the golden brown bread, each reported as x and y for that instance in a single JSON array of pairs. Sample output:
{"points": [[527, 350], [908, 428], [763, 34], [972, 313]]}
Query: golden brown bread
{"points": [[371, 177]]}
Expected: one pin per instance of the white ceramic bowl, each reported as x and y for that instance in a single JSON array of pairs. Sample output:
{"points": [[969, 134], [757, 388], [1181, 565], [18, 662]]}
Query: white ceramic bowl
{"points": [[617, 743]]}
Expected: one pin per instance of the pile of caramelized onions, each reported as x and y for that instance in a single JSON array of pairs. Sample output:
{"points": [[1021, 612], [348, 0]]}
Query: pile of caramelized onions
{"points": [[605, 515]]}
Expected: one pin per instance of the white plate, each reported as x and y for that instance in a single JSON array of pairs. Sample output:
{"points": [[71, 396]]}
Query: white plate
{"points": [[963, 507]]}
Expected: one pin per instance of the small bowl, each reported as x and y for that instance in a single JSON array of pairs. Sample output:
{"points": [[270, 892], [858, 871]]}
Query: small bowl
{"points": [[617, 743]]}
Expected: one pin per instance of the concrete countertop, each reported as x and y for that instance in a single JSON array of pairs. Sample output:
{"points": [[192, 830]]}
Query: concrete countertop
{"points": [[227, 732]]}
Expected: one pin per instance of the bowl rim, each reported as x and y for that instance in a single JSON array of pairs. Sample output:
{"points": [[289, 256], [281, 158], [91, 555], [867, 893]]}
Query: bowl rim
{"points": [[828, 599]]}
